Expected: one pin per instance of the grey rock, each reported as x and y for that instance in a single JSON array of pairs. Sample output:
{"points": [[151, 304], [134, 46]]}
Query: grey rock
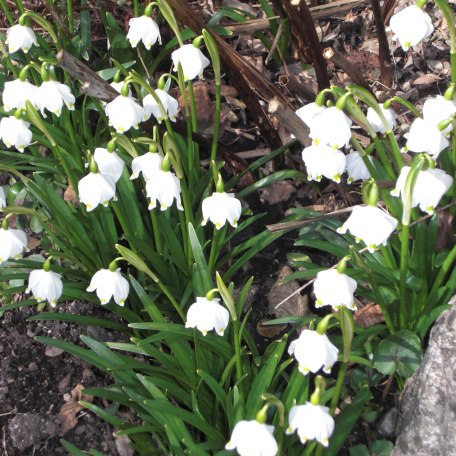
{"points": [[386, 425], [428, 408], [27, 429]]}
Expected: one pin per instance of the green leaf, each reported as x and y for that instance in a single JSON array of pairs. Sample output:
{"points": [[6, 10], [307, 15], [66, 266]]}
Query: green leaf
{"points": [[400, 353], [200, 260], [74, 451], [379, 448]]}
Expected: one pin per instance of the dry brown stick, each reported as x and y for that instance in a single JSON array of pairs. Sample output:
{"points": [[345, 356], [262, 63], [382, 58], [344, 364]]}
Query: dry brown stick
{"points": [[303, 30], [386, 65], [295, 86], [344, 64]]}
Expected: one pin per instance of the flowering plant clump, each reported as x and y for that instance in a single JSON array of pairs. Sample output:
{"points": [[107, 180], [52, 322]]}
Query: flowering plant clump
{"points": [[143, 219]]}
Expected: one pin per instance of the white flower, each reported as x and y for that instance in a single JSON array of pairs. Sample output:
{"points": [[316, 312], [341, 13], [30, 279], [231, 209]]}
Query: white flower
{"points": [[356, 168], [375, 121], [220, 208], [170, 105], [124, 113], [148, 164], [335, 289], [15, 132], [109, 163], [437, 109], [143, 29], [45, 286], [206, 315], [424, 136], [369, 224], [331, 126], [308, 112], [323, 160], [117, 86], [51, 95], [95, 189], [20, 37], [12, 243], [191, 59], [313, 422], [110, 284], [164, 187], [410, 26], [313, 351], [430, 186], [251, 438], [16, 93], [2, 198]]}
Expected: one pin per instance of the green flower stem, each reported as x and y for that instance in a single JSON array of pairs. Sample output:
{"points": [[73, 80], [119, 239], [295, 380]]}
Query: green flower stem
{"points": [[186, 241], [383, 157], [404, 238], [7, 12], [397, 156], [6, 58], [59, 155], [188, 212], [447, 12], [378, 297], [444, 269], [168, 14], [218, 106], [46, 25], [217, 240], [66, 115], [156, 230], [135, 8], [20, 7], [410, 106], [453, 159], [372, 170], [238, 354], [195, 159], [70, 16], [338, 387]]}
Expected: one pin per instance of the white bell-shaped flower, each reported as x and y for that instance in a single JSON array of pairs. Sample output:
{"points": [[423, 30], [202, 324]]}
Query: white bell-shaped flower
{"points": [[20, 37], [143, 29], [371, 225], [45, 286], [148, 164], [16, 93], [410, 26], [308, 112], [192, 60], [117, 86], [206, 315], [313, 351], [220, 208], [2, 198], [51, 95], [313, 422], [375, 121], [356, 168], [424, 136], [15, 132], [170, 105], [109, 163], [164, 187], [323, 160], [12, 243], [251, 438], [334, 289], [331, 126], [123, 113], [95, 189], [110, 284], [430, 186], [438, 109]]}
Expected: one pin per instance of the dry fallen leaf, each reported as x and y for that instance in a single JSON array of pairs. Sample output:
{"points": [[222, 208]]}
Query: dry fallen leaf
{"points": [[369, 315], [69, 410], [70, 195], [277, 192], [123, 445], [426, 79]]}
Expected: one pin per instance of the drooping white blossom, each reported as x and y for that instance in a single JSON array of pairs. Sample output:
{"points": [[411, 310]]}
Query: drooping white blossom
{"points": [[356, 168], [143, 29], [323, 160], [117, 86], [207, 315], [2, 198], [109, 163], [148, 164], [95, 189], [52, 95], [334, 289], [430, 186], [20, 37], [15, 132], [45, 286], [375, 121], [371, 225], [170, 105], [12, 243], [424, 136], [438, 109], [312, 422], [123, 113], [110, 284], [251, 438], [164, 187], [220, 208], [308, 112], [313, 351], [192, 60], [16, 93], [332, 127], [410, 26]]}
